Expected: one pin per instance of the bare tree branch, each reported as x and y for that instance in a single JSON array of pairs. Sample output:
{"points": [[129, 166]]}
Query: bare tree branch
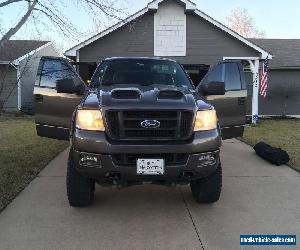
{"points": [[51, 16], [241, 22], [22, 21]]}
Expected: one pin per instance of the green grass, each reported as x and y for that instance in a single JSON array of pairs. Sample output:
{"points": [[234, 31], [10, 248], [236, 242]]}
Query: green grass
{"points": [[22, 154], [284, 133]]}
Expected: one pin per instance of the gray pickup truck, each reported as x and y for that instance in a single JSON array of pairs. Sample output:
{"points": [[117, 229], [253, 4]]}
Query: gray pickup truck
{"points": [[140, 120]]}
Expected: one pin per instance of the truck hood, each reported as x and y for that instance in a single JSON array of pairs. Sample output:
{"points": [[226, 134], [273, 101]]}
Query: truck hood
{"points": [[120, 96]]}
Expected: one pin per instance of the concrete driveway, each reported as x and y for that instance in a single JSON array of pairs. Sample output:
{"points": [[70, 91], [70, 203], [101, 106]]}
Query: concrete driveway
{"points": [[257, 198]]}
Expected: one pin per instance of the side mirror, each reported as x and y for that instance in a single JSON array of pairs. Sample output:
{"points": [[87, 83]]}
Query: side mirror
{"points": [[68, 86], [213, 88]]}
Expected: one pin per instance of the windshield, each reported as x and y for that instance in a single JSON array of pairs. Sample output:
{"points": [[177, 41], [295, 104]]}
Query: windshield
{"points": [[140, 71]]}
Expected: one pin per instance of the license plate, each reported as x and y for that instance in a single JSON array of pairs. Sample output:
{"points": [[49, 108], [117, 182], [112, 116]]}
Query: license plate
{"points": [[150, 166]]}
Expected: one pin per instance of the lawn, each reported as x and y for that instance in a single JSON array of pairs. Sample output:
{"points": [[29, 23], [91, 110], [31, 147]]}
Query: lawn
{"points": [[22, 154], [283, 133]]}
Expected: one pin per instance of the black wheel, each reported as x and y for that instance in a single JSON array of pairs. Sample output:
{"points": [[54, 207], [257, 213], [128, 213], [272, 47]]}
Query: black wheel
{"points": [[208, 190], [80, 189]]}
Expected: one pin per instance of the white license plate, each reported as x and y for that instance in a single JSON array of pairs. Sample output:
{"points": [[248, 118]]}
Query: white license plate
{"points": [[150, 166]]}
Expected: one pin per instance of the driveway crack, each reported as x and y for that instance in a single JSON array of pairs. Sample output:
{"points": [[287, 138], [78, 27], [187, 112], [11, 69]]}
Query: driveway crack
{"points": [[192, 220]]}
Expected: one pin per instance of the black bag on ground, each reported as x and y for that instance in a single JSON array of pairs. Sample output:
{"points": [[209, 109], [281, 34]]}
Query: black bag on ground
{"points": [[276, 156]]}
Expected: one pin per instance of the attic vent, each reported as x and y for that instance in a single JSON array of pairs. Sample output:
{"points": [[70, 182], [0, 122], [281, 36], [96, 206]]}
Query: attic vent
{"points": [[125, 94], [170, 94]]}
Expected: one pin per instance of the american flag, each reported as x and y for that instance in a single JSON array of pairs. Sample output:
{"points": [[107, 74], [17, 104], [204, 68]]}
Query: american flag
{"points": [[264, 78]]}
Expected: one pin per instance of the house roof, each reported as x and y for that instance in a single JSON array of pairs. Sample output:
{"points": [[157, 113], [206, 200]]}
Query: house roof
{"points": [[153, 6], [286, 52], [15, 49]]}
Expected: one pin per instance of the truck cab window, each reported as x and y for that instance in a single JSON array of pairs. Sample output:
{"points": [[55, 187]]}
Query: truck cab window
{"points": [[54, 70], [232, 77]]}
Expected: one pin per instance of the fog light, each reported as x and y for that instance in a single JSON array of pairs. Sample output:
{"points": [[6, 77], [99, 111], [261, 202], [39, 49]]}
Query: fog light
{"points": [[206, 160], [90, 161]]}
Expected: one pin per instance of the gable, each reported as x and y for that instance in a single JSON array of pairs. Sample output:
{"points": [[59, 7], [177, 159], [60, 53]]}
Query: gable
{"points": [[175, 32]]}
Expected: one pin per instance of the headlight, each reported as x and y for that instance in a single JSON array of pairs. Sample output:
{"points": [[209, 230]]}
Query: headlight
{"points": [[205, 120], [89, 120]]}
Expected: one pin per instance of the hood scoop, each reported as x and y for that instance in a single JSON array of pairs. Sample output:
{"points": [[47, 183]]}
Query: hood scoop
{"points": [[125, 94], [170, 94]]}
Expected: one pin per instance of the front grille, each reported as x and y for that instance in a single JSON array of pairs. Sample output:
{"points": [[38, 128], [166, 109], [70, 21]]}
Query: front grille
{"points": [[126, 125], [129, 160]]}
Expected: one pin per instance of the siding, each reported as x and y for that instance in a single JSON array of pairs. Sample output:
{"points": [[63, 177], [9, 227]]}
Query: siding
{"points": [[133, 39], [205, 43], [283, 96], [8, 79]]}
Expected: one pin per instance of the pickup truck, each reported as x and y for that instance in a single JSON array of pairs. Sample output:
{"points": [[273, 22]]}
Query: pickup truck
{"points": [[140, 120]]}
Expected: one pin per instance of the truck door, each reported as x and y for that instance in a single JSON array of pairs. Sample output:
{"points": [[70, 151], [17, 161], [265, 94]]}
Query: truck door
{"points": [[231, 107], [53, 110]]}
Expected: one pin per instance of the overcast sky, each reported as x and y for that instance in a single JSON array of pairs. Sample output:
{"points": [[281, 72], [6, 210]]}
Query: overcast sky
{"points": [[279, 19]]}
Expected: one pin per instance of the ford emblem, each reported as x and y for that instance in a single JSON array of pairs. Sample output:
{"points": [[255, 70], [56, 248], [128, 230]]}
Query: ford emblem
{"points": [[150, 124]]}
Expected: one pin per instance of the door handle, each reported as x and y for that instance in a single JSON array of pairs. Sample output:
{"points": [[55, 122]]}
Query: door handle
{"points": [[38, 98], [242, 100]]}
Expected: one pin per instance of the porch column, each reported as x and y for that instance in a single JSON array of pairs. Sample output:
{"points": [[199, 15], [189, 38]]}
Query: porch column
{"points": [[255, 71]]}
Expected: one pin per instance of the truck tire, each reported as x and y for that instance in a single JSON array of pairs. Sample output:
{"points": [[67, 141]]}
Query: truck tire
{"points": [[80, 189], [208, 190]]}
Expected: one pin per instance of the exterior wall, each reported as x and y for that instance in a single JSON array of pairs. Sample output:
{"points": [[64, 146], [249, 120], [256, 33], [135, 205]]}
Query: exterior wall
{"points": [[283, 96], [205, 43], [27, 72], [8, 77], [170, 30], [133, 39]]}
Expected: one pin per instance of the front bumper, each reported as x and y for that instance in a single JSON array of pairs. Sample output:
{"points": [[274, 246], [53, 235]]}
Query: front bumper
{"points": [[98, 143], [106, 170], [95, 145]]}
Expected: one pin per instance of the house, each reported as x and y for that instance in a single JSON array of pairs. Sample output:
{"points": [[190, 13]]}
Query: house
{"points": [[19, 61], [283, 96], [178, 30]]}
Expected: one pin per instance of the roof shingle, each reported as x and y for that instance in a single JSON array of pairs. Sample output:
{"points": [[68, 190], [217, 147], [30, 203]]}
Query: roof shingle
{"points": [[286, 52], [14, 49]]}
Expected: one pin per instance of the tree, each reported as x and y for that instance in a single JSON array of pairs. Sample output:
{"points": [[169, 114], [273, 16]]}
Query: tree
{"points": [[241, 22], [48, 13], [39, 10]]}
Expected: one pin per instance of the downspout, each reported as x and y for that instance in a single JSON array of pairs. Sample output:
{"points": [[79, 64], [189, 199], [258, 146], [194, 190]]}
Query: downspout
{"points": [[19, 85]]}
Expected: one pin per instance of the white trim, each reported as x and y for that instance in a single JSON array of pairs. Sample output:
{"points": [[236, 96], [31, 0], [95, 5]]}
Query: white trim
{"points": [[18, 60], [77, 55], [154, 6], [5, 62], [19, 90], [240, 58], [255, 92], [189, 6]]}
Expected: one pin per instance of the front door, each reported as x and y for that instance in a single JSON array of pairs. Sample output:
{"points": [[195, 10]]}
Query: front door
{"points": [[53, 111], [231, 107]]}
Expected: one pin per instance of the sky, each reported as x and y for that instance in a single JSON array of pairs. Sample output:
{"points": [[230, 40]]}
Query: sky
{"points": [[278, 19]]}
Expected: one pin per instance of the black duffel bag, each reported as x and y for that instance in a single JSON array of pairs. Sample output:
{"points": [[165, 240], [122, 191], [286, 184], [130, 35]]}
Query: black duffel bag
{"points": [[276, 156]]}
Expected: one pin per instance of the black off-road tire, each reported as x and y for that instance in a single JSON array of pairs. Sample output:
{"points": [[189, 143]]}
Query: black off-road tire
{"points": [[208, 190], [80, 189]]}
